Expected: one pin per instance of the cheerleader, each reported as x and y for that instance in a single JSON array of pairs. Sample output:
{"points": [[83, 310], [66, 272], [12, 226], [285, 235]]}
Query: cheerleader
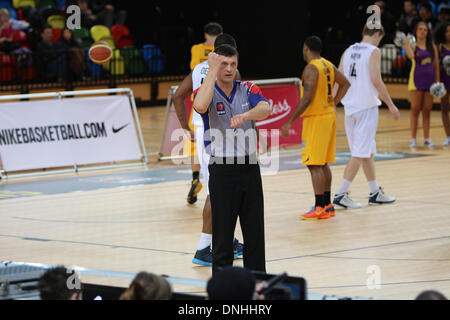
{"points": [[424, 72]]}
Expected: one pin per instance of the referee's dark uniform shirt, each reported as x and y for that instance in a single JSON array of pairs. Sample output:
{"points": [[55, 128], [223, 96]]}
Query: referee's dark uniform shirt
{"points": [[235, 179]]}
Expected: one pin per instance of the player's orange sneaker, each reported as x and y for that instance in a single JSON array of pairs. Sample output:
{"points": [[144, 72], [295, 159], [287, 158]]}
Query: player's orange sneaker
{"points": [[315, 213], [330, 209]]}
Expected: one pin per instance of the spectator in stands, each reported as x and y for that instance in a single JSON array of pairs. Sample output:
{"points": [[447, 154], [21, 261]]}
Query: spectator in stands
{"points": [[409, 17], [75, 54], [60, 283], [16, 24], [88, 19], [103, 12], [148, 286], [431, 295], [6, 30], [444, 15], [388, 22], [426, 15], [232, 283], [108, 12], [199, 52], [50, 58]]}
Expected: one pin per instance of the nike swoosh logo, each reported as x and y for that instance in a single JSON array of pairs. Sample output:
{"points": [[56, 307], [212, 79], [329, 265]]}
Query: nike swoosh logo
{"points": [[114, 130]]}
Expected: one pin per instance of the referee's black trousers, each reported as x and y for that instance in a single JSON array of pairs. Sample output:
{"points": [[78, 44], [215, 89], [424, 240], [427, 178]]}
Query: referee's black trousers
{"points": [[236, 191]]}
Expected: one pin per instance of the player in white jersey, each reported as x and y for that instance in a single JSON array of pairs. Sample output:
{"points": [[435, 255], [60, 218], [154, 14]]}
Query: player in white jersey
{"points": [[361, 65], [198, 76], [191, 83]]}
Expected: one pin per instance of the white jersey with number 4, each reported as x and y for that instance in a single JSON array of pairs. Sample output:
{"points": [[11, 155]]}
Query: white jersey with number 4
{"points": [[198, 76], [362, 94]]}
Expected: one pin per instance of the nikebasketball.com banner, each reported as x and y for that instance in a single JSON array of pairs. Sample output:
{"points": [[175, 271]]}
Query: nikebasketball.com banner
{"points": [[66, 132]]}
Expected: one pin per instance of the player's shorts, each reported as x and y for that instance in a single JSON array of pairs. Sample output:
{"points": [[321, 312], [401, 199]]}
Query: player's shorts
{"points": [[189, 148], [319, 134], [204, 158], [361, 128]]}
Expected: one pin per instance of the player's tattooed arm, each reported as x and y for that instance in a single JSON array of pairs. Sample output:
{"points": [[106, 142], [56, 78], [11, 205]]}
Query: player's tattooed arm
{"points": [[310, 77]]}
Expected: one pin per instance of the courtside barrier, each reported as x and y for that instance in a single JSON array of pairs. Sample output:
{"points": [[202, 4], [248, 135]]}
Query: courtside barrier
{"points": [[63, 132]]}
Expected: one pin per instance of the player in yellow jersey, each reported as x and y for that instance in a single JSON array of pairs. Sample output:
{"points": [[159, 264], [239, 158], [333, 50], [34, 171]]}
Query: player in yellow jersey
{"points": [[317, 106], [199, 52]]}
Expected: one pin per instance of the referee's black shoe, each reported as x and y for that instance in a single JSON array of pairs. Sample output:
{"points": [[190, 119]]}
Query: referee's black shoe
{"points": [[238, 248], [196, 186]]}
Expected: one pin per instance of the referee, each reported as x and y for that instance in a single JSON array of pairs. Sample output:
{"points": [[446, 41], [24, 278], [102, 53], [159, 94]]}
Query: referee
{"points": [[230, 109]]}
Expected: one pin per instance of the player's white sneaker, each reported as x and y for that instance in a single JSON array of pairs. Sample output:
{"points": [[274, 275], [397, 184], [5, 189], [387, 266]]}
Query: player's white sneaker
{"points": [[343, 201], [413, 143], [428, 143], [447, 142], [380, 197]]}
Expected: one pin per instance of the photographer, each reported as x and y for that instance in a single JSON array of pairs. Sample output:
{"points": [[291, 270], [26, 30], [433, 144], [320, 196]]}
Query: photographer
{"points": [[233, 283]]}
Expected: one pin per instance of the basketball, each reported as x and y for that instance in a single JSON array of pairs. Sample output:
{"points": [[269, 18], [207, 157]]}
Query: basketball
{"points": [[100, 52]]}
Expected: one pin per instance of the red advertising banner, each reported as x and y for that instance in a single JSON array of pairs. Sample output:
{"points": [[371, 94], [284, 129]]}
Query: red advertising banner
{"points": [[283, 100]]}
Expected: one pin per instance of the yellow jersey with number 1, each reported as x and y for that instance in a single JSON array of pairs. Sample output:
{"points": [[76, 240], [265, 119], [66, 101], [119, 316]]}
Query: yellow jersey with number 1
{"points": [[323, 101]]}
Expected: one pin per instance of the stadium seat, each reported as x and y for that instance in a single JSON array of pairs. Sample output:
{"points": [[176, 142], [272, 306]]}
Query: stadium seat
{"points": [[24, 3], [12, 13], [125, 41], [57, 32], [60, 4], [48, 11], [29, 14], [134, 63], [99, 31], [83, 37], [109, 40], [153, 58], [27, 74], [95, 69], [6, 67], [45, 3], [20, 37], [57, 21], [119, 30], [6, 4], [115, 66]]}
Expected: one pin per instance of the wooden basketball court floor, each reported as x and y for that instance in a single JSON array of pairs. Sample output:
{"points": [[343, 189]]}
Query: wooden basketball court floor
{"points": [[403, 247]]}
